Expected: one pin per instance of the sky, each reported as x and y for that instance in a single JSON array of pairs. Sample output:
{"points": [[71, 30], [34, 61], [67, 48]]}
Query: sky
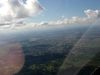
{"points": [[24, 14]]}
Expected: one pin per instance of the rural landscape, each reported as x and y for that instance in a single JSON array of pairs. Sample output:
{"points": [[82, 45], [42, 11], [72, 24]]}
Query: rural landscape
{"points": [[73, 51]]}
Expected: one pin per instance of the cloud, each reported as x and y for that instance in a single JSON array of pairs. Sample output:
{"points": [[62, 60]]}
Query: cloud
{"points": [[20, 22], [93, 14], [43, 23], [17, 21], [89, 20], [12, 10], [63, 16], [1, 24]]}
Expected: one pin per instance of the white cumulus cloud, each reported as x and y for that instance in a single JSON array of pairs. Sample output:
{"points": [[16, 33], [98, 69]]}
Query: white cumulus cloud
{"points": [[12, 10], [92, 14]]}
